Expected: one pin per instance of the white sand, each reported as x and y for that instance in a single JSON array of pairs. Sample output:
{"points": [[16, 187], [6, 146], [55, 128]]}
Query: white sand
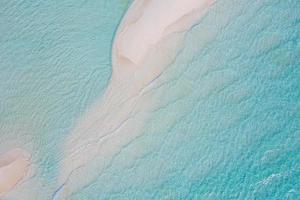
{"points": [[146, 41], [13, 168], [150, 21]]}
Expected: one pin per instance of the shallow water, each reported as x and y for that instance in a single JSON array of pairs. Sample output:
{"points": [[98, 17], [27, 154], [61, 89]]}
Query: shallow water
{"points": [[226, 123]]}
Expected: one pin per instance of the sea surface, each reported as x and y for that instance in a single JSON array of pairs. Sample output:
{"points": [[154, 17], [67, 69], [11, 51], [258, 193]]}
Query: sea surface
{"points": [[227, 125]]}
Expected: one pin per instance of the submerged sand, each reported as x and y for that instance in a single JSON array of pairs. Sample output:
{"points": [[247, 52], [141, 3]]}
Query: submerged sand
{"points": [[147, 40], [13, 168]]}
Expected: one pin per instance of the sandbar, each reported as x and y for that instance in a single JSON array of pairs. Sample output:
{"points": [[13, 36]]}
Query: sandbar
{"points": [[146, 41], [14, 166]]}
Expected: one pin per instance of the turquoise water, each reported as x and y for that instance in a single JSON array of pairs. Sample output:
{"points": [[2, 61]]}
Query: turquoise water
{"points": [[227, 126]]}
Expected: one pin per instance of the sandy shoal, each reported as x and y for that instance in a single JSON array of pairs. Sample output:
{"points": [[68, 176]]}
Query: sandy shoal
{"points": [[145, 43], [13, 168]]}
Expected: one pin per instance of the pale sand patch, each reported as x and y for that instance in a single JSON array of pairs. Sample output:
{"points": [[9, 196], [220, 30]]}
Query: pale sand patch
{"points": [[13, 168], [154, 21], [147, 40]]}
